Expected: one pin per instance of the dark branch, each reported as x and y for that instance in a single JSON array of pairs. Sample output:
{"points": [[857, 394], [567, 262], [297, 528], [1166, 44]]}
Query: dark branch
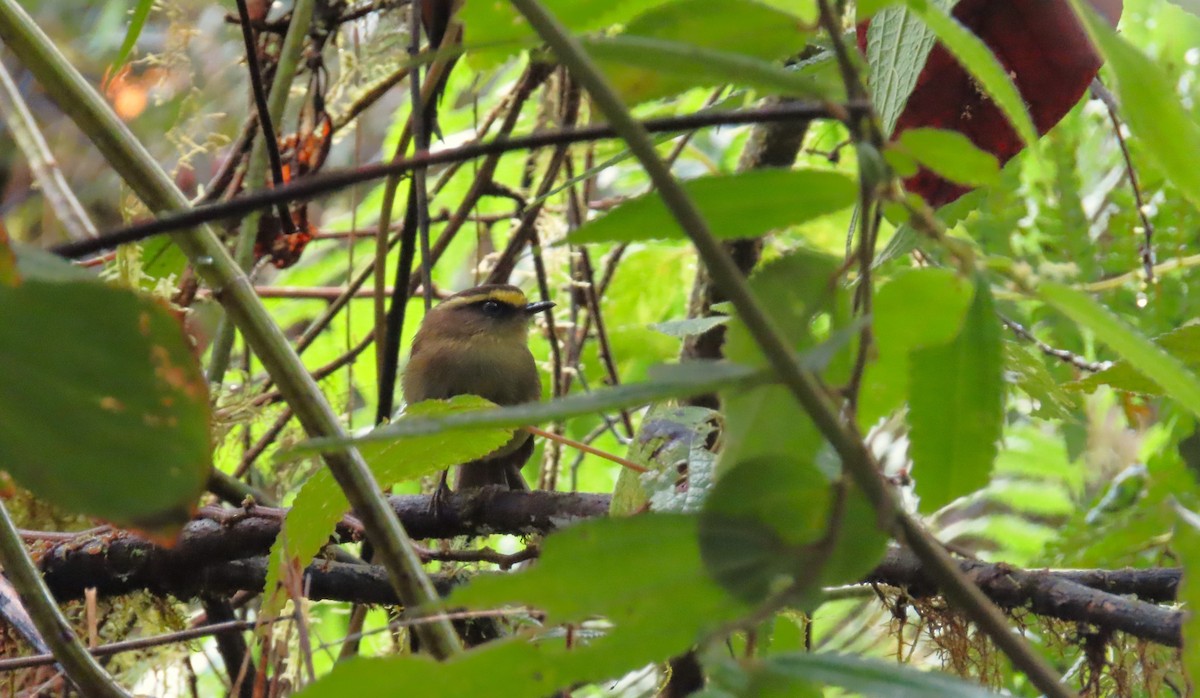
{"points": [[221, 553], [309, 187]]}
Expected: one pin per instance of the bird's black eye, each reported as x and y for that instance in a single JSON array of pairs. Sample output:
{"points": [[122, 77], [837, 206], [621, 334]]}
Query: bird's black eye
{"points": [[493, 308]]}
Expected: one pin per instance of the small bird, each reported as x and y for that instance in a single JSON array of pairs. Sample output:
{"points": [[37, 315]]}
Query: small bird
{"points": [[476, 342]]}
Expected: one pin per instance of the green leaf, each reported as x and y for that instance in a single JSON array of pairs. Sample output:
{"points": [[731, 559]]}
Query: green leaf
{"points": [[741, 205], [643, 574], [762, 513], [767, 420], [1149, 104], [103, 409], [689, 327], [951, 155], [1176, 381], [1183, 344], [943, 298], [321, 503], [742, 27], [643, 68], [975, 57], [137, 20], [956, 407], [869, 677], [494, 30], [666, 381], [897, 48]]}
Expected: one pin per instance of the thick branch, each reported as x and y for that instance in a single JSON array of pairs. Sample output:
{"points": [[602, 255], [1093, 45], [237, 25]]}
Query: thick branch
{"points": [[220, 553], [119, 563], [1059, 593]]}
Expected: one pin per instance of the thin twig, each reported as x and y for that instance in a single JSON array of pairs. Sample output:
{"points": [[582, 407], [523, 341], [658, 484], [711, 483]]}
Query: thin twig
{"points": [[1146, 249], [1061, 354], [266, 126], [335, 180]]}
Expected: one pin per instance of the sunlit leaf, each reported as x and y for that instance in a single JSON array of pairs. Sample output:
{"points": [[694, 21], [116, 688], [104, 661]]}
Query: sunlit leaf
{"points": [[943, 298], [956, 407], [951, 155]]}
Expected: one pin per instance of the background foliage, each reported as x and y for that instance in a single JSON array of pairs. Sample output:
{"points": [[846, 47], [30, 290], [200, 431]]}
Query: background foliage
{"points": [[1026, 387]]}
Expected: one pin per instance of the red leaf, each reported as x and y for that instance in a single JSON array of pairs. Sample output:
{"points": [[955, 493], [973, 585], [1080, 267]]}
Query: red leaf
{"points": [[1045, 51]]}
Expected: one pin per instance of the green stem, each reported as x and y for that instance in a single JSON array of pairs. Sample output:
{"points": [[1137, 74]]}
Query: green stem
{"points": [[80, 666], [855, 457], [230, 286], [256, 171]]}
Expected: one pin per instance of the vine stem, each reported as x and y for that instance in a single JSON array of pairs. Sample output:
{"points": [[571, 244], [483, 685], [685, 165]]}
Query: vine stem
{"points": [[88, 110], [855, 457], [80, 666]]}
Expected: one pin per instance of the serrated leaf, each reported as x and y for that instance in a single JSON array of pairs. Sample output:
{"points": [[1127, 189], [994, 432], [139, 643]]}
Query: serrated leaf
{"points": [[643, 574], [943, 298], [103, 409], [956, 407], [1183, 344], [741, 205], [898, 45], [951, 155], [1175, 380], [321, 503]]}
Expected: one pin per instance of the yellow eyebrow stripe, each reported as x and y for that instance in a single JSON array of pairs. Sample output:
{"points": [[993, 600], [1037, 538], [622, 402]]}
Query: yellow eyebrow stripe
{"points": [[513, 298]]}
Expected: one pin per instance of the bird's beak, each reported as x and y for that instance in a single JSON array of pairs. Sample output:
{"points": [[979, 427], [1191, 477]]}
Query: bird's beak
{"points": [[538, 307]]}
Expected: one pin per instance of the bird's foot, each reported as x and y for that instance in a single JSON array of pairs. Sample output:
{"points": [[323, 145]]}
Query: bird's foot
{"points": [[441, 495]]}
